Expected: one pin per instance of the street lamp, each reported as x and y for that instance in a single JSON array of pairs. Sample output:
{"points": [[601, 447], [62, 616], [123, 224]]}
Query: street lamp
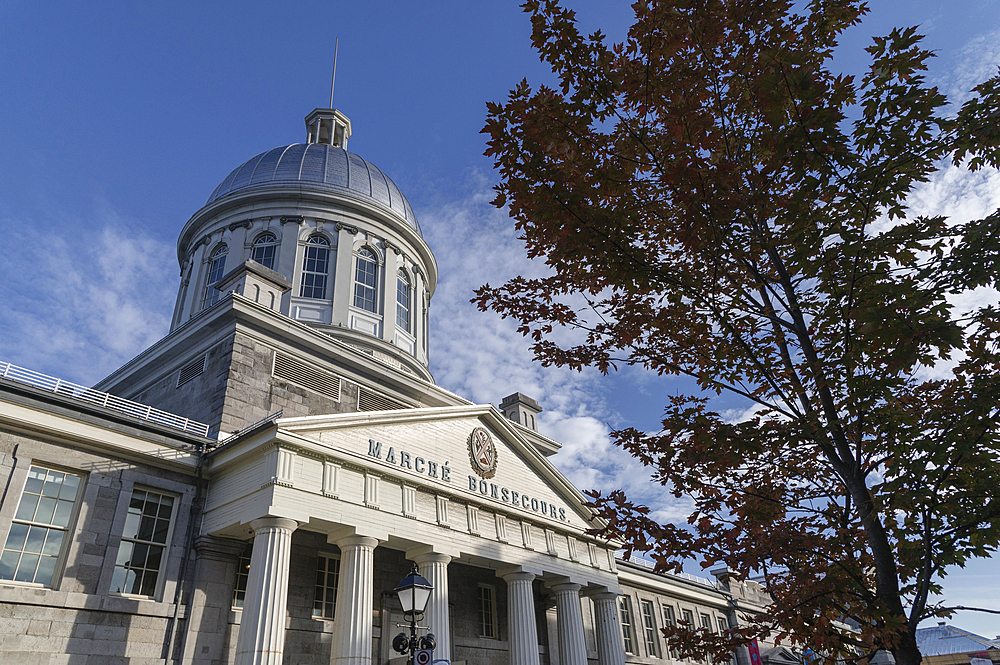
{"points": [[413, 592]]}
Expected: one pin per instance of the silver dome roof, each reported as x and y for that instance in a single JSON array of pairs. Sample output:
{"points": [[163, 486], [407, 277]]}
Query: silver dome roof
{"points": [[322, 167]]}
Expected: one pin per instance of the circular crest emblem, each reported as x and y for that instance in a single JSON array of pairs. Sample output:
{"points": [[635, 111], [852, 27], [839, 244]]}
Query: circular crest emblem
{"points": [[482, 453]]}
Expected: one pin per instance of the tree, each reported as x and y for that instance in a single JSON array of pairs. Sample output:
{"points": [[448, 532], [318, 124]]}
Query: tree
{"points": [[714, 202]]}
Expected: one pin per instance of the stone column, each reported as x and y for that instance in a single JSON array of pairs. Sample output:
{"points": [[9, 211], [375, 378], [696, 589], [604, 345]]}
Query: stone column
{"points": [[261, 639], [521, 623], [434, 567], [610, 648], [352, 624], [569, 624]]}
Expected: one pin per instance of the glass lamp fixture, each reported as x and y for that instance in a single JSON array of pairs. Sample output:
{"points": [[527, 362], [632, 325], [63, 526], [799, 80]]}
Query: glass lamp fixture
{"points": [[413, 592]]}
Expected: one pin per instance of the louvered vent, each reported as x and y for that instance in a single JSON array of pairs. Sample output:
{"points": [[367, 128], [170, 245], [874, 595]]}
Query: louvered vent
{"points": [[369, 400], [194, 368], [306, 376]]}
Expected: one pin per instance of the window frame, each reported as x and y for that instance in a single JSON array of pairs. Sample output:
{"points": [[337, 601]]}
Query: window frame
{"points": [[218, 256], [164, 562], [317, 587], [487, 605], [309, 277], [669, 619], [362, 288], [264, 247], [626, 622], [649, 628], [242, 574], [68, 530], [404, 290]]}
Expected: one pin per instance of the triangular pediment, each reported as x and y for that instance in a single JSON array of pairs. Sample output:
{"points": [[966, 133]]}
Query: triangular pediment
{"points": [[470, 452]]}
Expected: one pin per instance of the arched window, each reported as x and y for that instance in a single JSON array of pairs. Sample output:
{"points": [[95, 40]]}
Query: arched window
{"points": [[315, 267], [264, 248], [215, 272], [403, 301], [364, 280]]}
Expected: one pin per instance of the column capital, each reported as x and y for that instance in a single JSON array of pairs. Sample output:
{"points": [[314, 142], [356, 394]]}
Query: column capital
{"points": [[270, 522], [604, 596], [571, 587], [214, 547], [517, 575], [357, 541]]}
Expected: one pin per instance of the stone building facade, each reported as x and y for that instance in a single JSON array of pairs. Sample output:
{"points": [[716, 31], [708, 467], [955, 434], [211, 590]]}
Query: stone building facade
{"points": [[252, 487]]}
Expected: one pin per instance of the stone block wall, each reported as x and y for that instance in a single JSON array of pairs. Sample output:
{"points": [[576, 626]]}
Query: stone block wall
{"points": [[77, 620]]}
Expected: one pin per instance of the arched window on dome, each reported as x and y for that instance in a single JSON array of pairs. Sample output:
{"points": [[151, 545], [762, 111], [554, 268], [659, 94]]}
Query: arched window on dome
{"points": [[365, 275], [264, 249], [403, 301], [315, 267], [215, 272]]}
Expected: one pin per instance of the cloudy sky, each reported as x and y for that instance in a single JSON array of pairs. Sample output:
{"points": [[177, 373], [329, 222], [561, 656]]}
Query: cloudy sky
{"points": [[118, 120]]}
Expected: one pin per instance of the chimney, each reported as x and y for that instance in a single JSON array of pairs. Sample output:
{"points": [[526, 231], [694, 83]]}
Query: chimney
{"points": [[521, 409]]}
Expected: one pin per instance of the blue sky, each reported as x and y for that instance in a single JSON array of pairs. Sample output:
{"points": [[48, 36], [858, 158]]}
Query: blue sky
{"points": [[118, 120]]}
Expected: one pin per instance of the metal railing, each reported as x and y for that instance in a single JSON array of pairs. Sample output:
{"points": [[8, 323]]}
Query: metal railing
{"points": [[684, 576], [274, 416], [107, 400]]}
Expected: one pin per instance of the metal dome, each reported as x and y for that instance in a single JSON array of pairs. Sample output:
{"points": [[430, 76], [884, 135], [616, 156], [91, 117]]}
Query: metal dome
{"points": [[322, 167]]}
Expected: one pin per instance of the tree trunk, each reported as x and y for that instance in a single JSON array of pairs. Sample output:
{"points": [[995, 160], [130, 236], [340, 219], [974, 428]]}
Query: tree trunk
{"points": [[907, 652]]}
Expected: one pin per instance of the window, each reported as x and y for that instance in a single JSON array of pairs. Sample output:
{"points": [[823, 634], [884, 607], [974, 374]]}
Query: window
{"points": [[39, 530], [626, 616], [670, 619], [327, 576], [144, 542], [649, 629], [487, 611], [315, 267], [264, 248], [364, 280], [687, 616], [706, 622], [403, 301], [242, 575], [215, 272], [723, 625]]}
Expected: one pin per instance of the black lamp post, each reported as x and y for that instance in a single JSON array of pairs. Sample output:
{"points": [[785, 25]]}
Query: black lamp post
{"points": [[413, 592]]}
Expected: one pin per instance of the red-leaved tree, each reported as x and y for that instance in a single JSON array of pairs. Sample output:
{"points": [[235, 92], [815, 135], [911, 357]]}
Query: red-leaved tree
{"points": [[732, 210]]}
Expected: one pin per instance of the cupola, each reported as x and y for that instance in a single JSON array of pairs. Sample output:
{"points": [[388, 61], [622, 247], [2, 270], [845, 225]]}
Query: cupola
{"points": [[328, 127]]}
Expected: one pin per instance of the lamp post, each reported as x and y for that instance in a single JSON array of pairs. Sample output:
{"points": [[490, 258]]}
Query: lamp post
{"points": [[413, 592]]}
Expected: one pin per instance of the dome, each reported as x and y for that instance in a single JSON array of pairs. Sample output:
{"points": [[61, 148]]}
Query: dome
{"points": [[318, 166]]}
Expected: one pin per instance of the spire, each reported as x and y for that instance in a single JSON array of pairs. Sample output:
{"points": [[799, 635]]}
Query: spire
{"points": [[329, 126]]}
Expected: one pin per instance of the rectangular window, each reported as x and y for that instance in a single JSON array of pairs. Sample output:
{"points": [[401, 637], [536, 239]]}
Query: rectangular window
{"points": [[487, 612], [706, 622], [626, 615], [40, 529], [242, 575], [687, 616], [144, 543], [327, 576], [649, 629], [670, 619], [723, 625]]}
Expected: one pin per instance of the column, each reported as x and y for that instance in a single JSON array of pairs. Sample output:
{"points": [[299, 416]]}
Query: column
{"points": [[610, 648], [261, 639], [434, 568], [352, 624], [211, 597], [569, 624], [521, 621], [343, 277]]}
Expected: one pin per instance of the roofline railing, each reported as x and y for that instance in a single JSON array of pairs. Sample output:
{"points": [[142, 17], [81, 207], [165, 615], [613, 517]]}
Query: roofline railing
{"points": [[106, 400]]}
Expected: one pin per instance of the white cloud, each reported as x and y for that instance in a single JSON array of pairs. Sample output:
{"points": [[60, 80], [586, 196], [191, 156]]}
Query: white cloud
{"points": [[82, 296]]}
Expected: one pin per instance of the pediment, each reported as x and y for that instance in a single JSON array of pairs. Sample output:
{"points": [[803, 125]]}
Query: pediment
{"points": [[470, 452]]}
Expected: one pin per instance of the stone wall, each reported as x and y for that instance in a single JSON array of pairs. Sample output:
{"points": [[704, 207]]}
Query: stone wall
{"points": [[78, 620]]}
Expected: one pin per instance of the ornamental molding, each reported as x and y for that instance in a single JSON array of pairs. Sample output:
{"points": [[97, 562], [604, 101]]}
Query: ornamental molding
{"points": [[245, 224], [292, 220]]}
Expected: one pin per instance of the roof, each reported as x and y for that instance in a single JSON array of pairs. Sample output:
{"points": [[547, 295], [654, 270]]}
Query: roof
{"points": [[942, 640], [322, 167]]}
